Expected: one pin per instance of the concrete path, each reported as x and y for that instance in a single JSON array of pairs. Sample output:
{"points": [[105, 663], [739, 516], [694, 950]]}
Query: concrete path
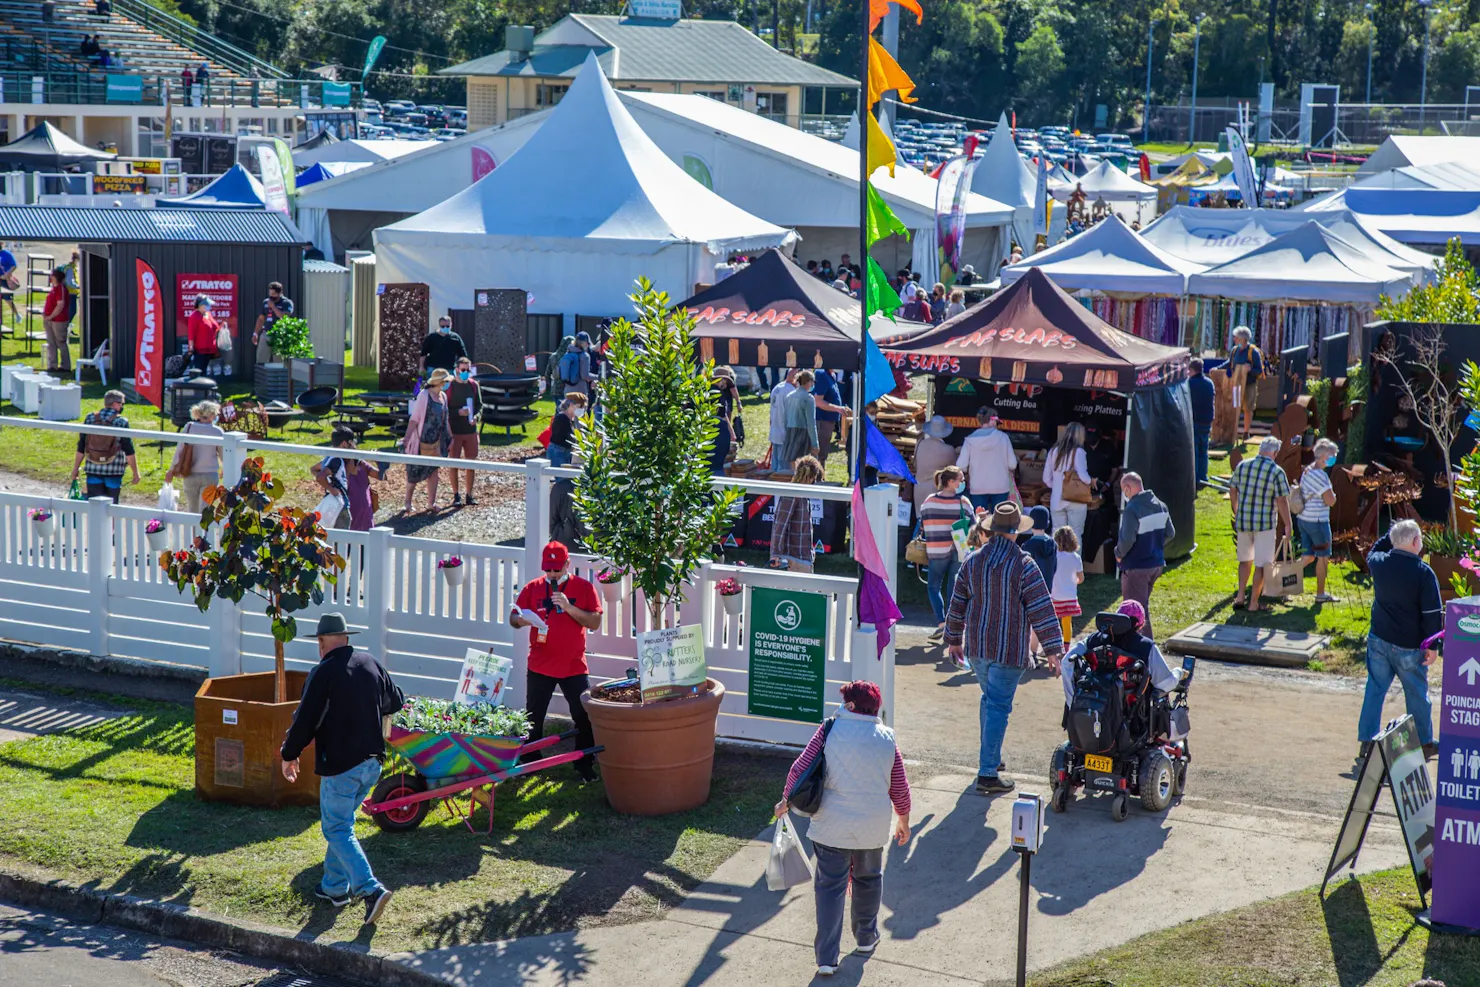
{"points": [[1266, 792], [24, 714]]}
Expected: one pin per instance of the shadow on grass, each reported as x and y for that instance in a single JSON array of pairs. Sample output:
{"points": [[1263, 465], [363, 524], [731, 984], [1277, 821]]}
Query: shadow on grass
{"points": [[1355, 951]]}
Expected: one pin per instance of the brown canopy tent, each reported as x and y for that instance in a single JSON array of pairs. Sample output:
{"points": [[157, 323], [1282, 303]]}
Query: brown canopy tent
{"points": [[1034, 333], [1032, 336]]}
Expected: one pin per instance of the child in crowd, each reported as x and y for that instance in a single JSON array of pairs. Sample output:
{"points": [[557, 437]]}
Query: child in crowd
{"points": [[1068, 574]]}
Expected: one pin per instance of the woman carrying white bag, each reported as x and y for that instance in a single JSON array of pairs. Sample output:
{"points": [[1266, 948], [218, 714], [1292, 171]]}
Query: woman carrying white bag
{"points": [[865, 794]]}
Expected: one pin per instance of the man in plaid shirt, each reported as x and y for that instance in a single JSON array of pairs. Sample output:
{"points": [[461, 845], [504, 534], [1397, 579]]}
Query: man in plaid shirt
{"points": [[1258, 492], [1000, 593], [107, 459]]}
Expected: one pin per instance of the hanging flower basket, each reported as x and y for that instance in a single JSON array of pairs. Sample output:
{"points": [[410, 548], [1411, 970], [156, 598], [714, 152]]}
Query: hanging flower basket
{"points": [[610, 583], [453, 570], [157, 535], [43, 522], [732, 595]]}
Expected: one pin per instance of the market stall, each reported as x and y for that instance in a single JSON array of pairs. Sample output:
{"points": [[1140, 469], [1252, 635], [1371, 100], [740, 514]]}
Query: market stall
{"points": [[1041, 360]]}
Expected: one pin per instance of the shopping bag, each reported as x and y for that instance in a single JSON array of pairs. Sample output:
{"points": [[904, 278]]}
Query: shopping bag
{"points": [[788, 865], [329, 508], [1286, 577], [169, 498], [78, 492]]}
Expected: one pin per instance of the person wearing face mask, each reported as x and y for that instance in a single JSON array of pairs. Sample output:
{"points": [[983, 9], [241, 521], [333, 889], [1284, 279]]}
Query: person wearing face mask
{"points": [[569, 607], [441, 349], [464, 404], [1314, 519]]}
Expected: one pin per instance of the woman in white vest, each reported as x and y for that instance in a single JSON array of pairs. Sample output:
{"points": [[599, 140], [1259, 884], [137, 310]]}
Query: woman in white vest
{"points": [[865, 796]]}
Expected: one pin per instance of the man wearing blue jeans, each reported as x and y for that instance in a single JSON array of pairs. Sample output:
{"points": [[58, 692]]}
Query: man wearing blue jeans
{"points": [[1407, 610], [999, 594], [344, 699], [1200, 390], [989, 461]]}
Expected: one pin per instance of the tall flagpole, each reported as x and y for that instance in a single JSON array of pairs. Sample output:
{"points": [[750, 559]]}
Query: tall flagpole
{"points": [[863, 245]]}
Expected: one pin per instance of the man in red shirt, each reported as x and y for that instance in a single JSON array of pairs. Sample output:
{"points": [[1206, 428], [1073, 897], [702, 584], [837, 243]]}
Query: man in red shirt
{"points": [[569, 606]]}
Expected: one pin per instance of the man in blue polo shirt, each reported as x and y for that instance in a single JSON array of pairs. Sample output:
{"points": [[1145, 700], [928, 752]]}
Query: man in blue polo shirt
{"points": [[9, 281], [830, 410], [1200, 389]]}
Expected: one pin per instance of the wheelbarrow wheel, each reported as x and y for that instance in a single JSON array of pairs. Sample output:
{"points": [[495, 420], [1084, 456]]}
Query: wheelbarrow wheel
{"points": [[406, 817]]}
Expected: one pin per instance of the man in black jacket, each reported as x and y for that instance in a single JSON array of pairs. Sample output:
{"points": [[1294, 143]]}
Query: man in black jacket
{"points": [[344, 699]]}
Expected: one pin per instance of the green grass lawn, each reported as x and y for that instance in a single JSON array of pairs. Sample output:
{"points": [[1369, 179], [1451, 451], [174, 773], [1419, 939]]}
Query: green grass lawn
{"points": [[1363, 935], [114, 806]]}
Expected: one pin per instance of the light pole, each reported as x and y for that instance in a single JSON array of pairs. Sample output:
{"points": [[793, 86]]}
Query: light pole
{"points": [[1423, 86], [1196, 53], [1371, 37], [1146, 116]]}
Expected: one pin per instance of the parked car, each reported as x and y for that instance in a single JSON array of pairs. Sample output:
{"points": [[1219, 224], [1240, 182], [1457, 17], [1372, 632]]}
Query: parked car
{"points": [[1118, 142]]}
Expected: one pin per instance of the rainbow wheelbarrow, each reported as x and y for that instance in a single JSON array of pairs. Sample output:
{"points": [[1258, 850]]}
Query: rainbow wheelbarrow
{"points": [[447, 764]]}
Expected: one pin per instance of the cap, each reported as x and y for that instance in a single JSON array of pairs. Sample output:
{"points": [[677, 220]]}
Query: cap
{"points": [[583, 336], [554, 557]]}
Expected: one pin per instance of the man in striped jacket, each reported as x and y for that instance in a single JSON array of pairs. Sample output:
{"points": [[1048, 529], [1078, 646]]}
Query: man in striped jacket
{"points": [[999, 594]]}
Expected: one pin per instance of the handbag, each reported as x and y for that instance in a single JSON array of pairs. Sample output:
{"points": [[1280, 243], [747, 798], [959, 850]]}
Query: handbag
{"points": [[806, 794], [738, 424], [329, 509], [788, 865], [1072, 489], [223, 340], [915, 553], [1295, 499], [1286, 577]]}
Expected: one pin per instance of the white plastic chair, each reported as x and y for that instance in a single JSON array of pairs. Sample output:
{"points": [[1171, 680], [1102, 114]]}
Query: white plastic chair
{"points": [[99, 361]]}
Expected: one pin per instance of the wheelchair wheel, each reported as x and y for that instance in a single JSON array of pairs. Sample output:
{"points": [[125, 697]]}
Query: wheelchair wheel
{"points": [[1120, 807], [1157, 781], [1179, 779], [1060, 800], [1058, 761]]}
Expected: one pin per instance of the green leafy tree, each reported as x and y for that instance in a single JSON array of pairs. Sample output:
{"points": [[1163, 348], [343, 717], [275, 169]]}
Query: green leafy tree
{"points": [[280, 555], [644, 490], [289, 336], [1040, 63], [1454, 295]]}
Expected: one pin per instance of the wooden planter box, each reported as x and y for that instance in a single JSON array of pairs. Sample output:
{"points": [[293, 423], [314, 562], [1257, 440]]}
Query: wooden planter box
{"points": [[238, 733]]}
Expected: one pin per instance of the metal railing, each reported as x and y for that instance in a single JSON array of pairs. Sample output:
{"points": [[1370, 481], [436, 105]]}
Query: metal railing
{"points": [[190, 36], [90, 86]]}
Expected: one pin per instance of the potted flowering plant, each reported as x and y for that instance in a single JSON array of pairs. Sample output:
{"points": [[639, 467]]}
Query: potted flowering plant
{"points": [[452, 570], [610, 581], [157, 535], [43, 522], [731, 594]]}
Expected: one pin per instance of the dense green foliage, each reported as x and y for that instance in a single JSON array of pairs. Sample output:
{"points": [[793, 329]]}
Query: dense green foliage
{"points": [[449, 716], [1453, 297], [977, 57]]}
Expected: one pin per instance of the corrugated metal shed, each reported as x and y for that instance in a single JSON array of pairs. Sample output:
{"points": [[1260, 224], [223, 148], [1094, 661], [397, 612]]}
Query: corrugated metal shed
{"points": [[73, 224]]}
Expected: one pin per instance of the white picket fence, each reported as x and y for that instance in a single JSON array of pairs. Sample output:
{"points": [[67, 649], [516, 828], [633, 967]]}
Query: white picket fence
{"points": [[95, 586]]}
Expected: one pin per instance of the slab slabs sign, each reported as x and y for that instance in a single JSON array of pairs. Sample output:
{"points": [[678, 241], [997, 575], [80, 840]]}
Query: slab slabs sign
{"points": [[788, 654], [670, 662]]}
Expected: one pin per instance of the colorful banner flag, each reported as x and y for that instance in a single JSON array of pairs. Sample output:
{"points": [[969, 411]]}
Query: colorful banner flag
{"points": [[880, 295], [377, 45], [881, 221], [875, 604], [1243, 169], [879, 9], [1040, 198], [149, 357], [880, 453], [950, 215], [881, 153], [878, 376], [885, 74]]}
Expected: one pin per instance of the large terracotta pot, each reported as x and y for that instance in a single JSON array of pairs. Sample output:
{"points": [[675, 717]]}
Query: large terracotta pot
{"points": [[238, 733], [659, 756], [1444, 567]]}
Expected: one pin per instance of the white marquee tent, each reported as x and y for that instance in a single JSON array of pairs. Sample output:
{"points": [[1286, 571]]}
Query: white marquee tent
{"points": [[1306, 264], [357, 150], [1105, 181], [1108, 257], [588, 205]]}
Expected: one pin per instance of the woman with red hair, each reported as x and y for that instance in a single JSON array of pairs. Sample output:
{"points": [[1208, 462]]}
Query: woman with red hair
{"points": [[865, 794]]}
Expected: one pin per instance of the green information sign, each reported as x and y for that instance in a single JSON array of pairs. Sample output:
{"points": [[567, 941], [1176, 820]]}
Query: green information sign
{"points": [[788, 654]]}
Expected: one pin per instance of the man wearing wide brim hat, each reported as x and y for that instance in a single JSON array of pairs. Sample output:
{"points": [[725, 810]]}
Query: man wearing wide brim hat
{"points": [[931, 453], [344, 700], [1000, 593]]}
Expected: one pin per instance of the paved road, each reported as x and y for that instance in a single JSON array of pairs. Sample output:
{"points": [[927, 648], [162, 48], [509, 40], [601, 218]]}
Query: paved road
{"points": [[42, 950]]}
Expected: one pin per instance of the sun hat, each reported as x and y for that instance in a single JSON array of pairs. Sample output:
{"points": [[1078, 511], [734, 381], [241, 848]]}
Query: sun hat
{"points": [[438, 378], [331, 625], [938, 427], [1007, 519]]}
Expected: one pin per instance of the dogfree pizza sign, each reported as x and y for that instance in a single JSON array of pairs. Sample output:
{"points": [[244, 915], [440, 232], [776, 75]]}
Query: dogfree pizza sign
{"points": [[1457, 808]]}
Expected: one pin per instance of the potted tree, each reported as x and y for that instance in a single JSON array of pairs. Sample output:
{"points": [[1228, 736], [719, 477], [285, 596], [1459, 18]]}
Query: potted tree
{"points": [[282, 556], [644, 492]]}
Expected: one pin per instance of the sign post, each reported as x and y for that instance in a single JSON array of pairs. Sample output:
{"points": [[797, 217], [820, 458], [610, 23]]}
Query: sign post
{"points": [[788, 654], [1456, 859]]}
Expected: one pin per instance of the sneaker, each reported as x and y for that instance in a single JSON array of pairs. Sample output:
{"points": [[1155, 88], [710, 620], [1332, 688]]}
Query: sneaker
{"points": [[337, 900], [457, 500], [994, 785], [375, 903], [862, 950], [1430, 751], [937, 636], [1326, 598], [470, 501], [587, 772], [823, 970]]}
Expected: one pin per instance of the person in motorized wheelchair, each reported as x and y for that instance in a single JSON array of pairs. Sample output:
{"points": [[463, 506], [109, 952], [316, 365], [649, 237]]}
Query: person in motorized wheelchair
{"points": [[1126, 717]]}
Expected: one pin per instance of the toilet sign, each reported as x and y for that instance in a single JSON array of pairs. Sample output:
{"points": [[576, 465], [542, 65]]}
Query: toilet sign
{"points": [[1456, 861]]}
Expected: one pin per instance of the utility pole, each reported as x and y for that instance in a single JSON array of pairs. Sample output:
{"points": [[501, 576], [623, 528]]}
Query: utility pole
{"points": [[1423, 86], [1146, 115], [1371, 38], [1196, 53]]}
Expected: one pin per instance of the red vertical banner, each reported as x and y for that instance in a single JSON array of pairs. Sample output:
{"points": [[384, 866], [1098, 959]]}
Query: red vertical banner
{"points": [[149, 358]]}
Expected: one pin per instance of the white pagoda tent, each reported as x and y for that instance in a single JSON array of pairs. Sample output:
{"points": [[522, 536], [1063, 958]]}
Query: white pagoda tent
{"points": [[1108, 257], [1306, 264]]}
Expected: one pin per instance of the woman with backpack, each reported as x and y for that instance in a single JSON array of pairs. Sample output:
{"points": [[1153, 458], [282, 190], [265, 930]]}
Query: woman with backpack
{"points": [[201, 332]]}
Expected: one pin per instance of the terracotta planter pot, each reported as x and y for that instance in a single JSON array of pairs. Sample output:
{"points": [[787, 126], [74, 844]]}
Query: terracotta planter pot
{"points": [[238, 733], [1446, 565], [659, 756]]}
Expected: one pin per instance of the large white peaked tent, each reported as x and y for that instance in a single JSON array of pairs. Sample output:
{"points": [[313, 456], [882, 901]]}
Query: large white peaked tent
{"points": [[1308, 263], [1105, 181], [1002, 174], [585, 207], [1108, 257]]}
